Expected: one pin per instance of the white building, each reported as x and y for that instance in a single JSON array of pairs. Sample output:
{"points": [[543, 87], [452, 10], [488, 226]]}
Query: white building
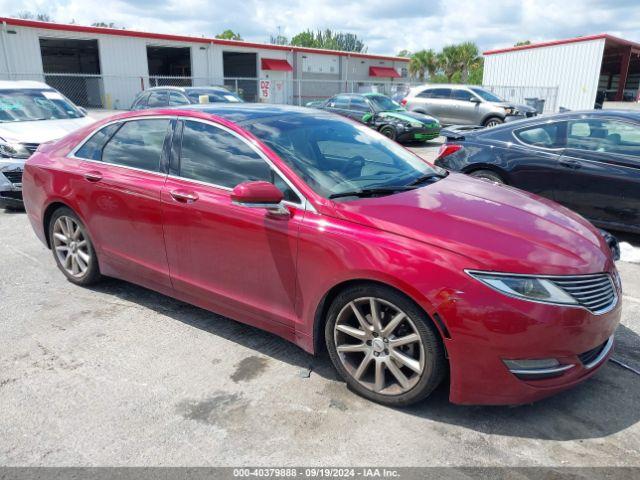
{"points": [[579, 67], [106, 67]]}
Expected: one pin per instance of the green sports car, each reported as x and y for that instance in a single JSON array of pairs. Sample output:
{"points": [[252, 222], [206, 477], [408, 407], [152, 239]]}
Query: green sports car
{"points": [[382, 114]]}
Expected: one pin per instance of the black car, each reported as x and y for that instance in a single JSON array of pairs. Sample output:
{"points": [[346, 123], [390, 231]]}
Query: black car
{"points": [[159, 97], [586, 161], [383, 114]]}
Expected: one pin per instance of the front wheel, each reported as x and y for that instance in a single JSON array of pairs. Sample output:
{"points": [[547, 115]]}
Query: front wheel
{"points": [[388, 132], [72, 248], [383, 345], [492, 122]]}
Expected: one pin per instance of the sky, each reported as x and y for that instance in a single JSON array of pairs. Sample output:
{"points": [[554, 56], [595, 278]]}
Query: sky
{"points": [[386, 26]]}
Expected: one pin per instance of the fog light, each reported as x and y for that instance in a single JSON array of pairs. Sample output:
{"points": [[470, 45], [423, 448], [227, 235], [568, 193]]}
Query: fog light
{"points": [[536, 369]]}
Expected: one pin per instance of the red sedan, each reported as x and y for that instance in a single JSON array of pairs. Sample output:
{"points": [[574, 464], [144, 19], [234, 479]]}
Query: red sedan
{"points": [[330, 235]]}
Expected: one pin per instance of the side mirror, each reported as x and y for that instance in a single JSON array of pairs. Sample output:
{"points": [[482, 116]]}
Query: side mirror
{"points": [[473, 99], [83, 111], [259, 194]]}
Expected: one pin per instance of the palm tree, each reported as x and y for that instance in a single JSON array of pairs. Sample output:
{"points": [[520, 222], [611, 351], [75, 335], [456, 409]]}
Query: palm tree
{"points": [[468, 58], [422, 63], [449, 60]]}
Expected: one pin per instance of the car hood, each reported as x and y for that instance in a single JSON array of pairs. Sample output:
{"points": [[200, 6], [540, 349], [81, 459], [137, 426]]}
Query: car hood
{"points": [[408, 116], [41, 131], [519, 107], [497, 228]]}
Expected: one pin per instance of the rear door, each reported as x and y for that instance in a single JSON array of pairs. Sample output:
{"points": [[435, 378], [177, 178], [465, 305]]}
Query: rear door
{"points": [[598, 175], [124, 172], [438, 104], [463, 111]]}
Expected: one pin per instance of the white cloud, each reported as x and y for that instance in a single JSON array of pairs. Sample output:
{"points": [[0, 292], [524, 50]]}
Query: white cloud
{"points": [[386, 27]]}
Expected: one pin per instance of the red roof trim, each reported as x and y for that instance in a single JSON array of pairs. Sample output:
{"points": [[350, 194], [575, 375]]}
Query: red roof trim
{"points": [[601, 36], [275, 64], [183, 38], [383, 72]]}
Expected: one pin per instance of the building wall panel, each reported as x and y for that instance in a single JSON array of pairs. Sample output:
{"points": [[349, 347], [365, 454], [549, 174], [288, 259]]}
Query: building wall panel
{"points": [[574, 68]]}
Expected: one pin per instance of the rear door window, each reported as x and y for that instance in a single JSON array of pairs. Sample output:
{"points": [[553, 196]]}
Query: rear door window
{"points": [[359, 104], [137, 144], [177, 98], [340, 101], [545, 136], [441, 93], [92, 148], [158, 99]]}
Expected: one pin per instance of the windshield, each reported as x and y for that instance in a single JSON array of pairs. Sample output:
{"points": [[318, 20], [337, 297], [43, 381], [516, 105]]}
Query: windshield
{"points": [[335, 156], [214, 96], [383, 104], [486, 95], [22, 105]]}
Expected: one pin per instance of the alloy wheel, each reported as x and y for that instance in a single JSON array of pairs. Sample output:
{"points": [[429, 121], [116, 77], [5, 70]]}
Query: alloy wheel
{"points": [[71, 246], [379, 346]]}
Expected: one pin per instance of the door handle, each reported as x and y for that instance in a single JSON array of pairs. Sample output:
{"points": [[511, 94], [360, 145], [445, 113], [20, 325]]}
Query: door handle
{"points": [[93, 176], [184, 197], [572, 164]]}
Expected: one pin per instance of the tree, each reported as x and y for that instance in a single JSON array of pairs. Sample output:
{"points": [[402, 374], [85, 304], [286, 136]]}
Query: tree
{"points": [[404, 53], [41, 17], [229, 35], [422, 63], [279, 40], [523, 43], [449, 61], [469, 57], [104, 25], [328, 39]]}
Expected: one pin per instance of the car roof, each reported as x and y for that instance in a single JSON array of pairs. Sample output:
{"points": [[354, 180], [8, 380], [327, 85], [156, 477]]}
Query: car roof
{"points": [[23, 84], [248, 112], [204, 88]]}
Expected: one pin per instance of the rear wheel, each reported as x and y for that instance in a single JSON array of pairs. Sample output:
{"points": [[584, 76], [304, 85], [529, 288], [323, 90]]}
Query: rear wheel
{"points": [[72, 248], [388, 132], [383, 345], [487, 175], [492, 122]]}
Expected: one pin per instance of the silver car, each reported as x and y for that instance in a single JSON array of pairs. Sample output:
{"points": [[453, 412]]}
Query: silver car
{"points": [[464, 105]]}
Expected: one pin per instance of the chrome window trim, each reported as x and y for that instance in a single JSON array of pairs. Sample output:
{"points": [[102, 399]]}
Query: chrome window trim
{"points": [[529, 145], [72, 153], [614, 302], [305, 204]]}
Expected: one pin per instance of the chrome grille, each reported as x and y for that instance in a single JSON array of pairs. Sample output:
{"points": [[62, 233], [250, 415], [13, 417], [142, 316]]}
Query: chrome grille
{"points": [[594, 292], [32, 147], [14, 176]]}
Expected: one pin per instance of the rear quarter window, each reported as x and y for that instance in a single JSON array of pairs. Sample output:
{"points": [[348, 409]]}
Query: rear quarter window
{"points": [[92, 148]]}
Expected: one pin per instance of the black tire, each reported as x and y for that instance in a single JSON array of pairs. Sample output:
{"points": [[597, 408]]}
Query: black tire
{"points": [[92, 273], [435, 364], [389, 132], [487, 175], [492, 122]]}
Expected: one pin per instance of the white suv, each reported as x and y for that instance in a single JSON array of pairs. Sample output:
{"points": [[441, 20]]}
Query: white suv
{"points": [[31, 113]]}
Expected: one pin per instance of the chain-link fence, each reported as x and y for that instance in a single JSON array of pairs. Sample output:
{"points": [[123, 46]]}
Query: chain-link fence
{"points": [[544, 99], [119, 91]]}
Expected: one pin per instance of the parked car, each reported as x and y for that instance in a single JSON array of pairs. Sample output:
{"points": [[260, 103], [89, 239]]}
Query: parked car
{"points": [[464, 105], [159, 97], [382, 114], [587, 161], [31, 113], [321, 231]]}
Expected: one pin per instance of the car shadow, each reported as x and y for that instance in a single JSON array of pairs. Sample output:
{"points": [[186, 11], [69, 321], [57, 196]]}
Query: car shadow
{"points": [[607, 403]]}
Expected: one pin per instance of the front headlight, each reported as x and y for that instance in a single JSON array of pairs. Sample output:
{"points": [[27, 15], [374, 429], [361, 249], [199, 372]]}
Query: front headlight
{"points": [[13, 150], [416, 125], [524, 287]]}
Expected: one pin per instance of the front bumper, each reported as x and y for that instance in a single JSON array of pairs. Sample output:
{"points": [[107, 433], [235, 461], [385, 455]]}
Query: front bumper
{"points": [[487, 328], [418, 135], [11, 185]]}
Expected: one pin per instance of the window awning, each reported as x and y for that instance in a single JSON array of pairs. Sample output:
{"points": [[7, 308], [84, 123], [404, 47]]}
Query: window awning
{"points": [[275, 64], [383, 72]]}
